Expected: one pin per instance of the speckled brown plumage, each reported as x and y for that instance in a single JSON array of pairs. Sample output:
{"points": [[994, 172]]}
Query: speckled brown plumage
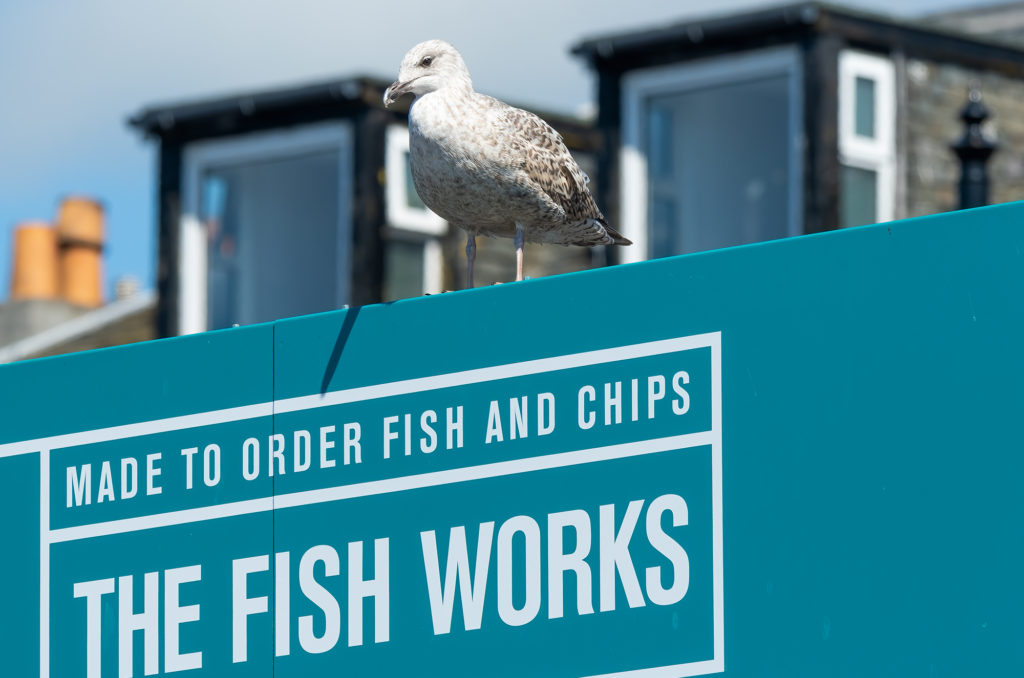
{"points": [[486, 166]]}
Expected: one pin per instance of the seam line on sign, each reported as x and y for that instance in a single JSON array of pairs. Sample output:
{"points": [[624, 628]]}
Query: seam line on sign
{"points": [[361, 393], [273, 491], [385, 486]]}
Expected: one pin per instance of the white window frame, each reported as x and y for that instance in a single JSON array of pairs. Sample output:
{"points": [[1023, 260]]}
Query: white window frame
{"points": [[640, 85], [193, 265], [876, 154], [399, 213]]}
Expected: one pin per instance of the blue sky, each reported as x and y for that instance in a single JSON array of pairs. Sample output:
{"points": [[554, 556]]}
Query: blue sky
{"points": [[71, 73]]}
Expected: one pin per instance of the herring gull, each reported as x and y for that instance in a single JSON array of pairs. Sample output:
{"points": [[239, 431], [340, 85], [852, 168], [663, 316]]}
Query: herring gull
{"points": [[487, 167]]}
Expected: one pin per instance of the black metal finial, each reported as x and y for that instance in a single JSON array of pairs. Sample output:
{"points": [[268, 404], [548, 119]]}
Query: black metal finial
{"points": [[974, 149]]}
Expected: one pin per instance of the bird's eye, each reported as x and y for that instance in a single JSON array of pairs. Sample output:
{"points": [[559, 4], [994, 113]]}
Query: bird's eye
{"points": [[426, 61]]}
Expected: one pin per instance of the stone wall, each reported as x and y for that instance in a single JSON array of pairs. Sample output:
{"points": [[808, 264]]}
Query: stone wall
{"points": [[935, 95]]}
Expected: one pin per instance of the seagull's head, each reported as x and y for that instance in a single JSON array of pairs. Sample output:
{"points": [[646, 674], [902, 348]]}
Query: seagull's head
{"points": [[429, 66]]}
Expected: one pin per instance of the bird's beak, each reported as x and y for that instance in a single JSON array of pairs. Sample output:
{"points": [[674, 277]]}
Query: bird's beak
{"points": [[392, 93]]}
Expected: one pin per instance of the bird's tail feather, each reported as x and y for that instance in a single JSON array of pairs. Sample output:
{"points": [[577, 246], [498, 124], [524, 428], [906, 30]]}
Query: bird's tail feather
{"points": [[617, 238]]}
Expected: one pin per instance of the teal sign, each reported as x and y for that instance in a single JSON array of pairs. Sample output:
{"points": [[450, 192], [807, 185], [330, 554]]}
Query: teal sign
{"points": [[795, 458]]}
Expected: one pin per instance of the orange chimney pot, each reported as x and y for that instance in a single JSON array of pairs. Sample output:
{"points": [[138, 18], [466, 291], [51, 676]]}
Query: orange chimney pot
{"points": [[35, 271], [80, 234]]}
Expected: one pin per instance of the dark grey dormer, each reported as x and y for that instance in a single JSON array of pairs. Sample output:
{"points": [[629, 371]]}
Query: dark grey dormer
{"points": [[795, 119], [299, 200]]}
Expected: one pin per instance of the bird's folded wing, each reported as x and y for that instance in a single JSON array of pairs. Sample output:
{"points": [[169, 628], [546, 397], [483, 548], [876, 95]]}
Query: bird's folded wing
{"points": [[547, 164], [538, 152], [534, 153]]}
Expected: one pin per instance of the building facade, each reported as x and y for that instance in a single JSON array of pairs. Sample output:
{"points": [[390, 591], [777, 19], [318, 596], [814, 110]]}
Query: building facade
{"points": [[792, 120]]}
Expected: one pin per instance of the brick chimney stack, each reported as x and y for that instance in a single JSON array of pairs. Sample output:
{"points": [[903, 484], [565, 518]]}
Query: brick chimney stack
{"points": [[61, 263]]}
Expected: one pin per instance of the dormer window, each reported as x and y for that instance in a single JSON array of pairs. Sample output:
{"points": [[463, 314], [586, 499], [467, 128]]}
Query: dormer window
{"points": [[266, 226], [712, 154]]}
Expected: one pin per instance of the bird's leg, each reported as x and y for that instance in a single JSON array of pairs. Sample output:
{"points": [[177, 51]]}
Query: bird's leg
{"points": [[519, 251], [470, 257]]}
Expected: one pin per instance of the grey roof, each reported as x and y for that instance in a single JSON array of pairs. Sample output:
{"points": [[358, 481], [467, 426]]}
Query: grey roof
{"points": [[1002, 21], [85, 322]]}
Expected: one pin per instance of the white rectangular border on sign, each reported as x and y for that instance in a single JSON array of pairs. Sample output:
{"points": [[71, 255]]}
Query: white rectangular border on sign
{"points": [[713, 438]]}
